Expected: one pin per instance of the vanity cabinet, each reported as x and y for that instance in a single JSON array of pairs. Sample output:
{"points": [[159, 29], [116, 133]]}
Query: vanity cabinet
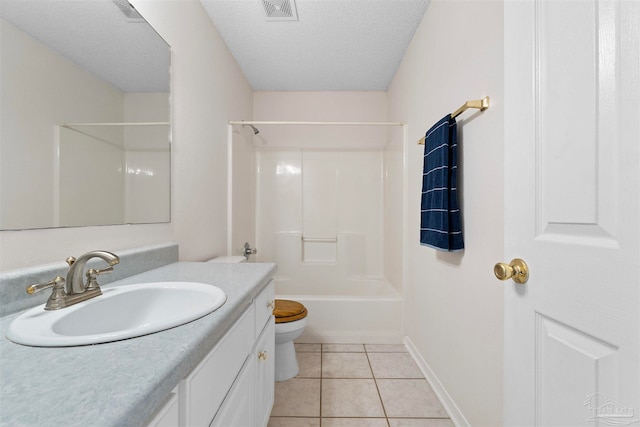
{"points": [[169, 414], [233, 386], [250, 400]]}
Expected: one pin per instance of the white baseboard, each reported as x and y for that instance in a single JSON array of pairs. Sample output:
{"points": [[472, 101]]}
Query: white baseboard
{"points": [[450, 406], [349, 337]]}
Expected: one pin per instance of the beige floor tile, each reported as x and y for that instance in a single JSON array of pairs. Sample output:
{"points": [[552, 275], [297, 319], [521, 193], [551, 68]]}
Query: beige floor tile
{"points": [[349, 395], [420, 422], [385, 348], [293, 422], [354, 422], [343, 348], [297, 397], [394, 365], [350, 398], [309, 364], [409, 398], [302, 347], [345, 365]]}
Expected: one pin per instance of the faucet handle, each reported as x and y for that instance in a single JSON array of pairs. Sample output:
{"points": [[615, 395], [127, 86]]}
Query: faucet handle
{"points": [[57, 298], [92, 276], [57, 282]]}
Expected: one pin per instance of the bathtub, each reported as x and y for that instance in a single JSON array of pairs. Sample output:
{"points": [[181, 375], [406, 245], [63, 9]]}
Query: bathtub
{"points": [[347, 311]]}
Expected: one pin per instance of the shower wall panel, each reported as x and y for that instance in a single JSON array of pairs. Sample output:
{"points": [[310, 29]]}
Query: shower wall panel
{"points": [[319, 193], [360, 196], [333, 199], [279, 199]]}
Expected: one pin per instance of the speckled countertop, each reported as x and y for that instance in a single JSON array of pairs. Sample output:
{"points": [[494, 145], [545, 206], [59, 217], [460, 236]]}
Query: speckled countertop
{"points": [[121, 383]]}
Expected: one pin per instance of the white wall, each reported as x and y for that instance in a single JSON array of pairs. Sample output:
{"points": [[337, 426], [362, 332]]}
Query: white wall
{"points": [[454, 312], [208, 89], [321, 106]]}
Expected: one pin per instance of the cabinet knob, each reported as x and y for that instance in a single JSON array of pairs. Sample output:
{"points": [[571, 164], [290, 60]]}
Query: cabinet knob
{"points": [[262, 355]]}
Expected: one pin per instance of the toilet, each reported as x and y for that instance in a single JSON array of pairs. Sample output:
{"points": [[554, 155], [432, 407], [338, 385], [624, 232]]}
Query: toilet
{"points": [[291, 318]]}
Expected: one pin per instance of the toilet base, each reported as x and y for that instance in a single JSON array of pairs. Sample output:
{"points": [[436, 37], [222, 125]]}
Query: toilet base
{"points": [[286, 361]]}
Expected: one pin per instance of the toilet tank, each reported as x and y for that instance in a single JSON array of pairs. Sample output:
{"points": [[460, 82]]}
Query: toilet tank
{"points": [[229, 259]]}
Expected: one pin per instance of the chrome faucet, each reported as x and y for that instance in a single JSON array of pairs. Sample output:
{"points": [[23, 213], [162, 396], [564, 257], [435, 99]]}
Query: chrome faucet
{"points": [[76, 290]]}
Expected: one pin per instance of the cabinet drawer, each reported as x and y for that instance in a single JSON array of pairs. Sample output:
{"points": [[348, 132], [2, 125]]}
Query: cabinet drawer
{"points": [[205, 388], [264, 307]]}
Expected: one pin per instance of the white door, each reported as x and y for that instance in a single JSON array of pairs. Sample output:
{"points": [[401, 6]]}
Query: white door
{"points": [[572, 138]]}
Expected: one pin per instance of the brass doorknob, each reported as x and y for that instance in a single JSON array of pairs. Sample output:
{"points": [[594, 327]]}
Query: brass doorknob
{"points": [[517, 270]]}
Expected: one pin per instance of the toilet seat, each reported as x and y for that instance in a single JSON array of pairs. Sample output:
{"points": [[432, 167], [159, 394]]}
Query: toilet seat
{"points": [[289, 311]]}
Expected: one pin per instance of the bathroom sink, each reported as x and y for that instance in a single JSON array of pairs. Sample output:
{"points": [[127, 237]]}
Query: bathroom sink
{"points": [[119, 313]]}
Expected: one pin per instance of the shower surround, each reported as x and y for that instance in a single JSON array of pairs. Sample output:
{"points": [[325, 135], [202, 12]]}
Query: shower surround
{"points": [[321, 217]]}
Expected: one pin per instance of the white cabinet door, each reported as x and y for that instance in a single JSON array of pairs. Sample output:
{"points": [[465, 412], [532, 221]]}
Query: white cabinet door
{"points": [[203, 391], [265, 303], [239, 408], [572, 137], [264, 353]]}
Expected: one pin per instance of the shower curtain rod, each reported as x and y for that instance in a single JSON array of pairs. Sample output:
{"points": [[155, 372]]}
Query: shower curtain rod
{"points": [[317, 123], [66, 125]]}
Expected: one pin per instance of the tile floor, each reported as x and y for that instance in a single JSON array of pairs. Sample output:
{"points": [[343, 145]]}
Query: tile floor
{"points": [[347, 385]]}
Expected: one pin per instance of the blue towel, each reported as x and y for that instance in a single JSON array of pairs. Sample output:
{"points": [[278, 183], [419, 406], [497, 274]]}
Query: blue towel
{"points": [[440, 219]]}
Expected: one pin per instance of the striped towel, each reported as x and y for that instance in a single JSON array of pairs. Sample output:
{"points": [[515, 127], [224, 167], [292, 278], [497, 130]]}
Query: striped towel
{"points": [[440, 219]]}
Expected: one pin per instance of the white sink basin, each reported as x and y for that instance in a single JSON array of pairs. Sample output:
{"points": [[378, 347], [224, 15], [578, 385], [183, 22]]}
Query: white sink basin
{"points": [[119, 313]]}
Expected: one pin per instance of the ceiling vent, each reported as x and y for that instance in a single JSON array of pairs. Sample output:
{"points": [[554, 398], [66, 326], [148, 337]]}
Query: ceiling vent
{"points": [[129, 11], [280, 10]]}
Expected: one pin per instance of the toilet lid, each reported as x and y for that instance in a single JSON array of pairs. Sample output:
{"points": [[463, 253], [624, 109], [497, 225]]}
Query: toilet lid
{"points": [[289, 311]]}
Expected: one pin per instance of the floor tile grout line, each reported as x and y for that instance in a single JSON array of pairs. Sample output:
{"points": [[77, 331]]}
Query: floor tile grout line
{"points": [[384, 410], [358, 418], [354, 417], [363, 378], [320, 404]]}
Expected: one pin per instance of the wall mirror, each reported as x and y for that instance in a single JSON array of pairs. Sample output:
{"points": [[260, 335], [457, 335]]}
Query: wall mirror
{"points": [[84, 120]]}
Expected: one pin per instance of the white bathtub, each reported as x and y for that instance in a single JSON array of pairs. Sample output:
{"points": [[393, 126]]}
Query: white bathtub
{"points": [[349, 311]]}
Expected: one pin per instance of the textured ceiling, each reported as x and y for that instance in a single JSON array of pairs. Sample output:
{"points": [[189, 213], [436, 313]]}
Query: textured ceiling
{"points": [[98, 36], [334, 45]]}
